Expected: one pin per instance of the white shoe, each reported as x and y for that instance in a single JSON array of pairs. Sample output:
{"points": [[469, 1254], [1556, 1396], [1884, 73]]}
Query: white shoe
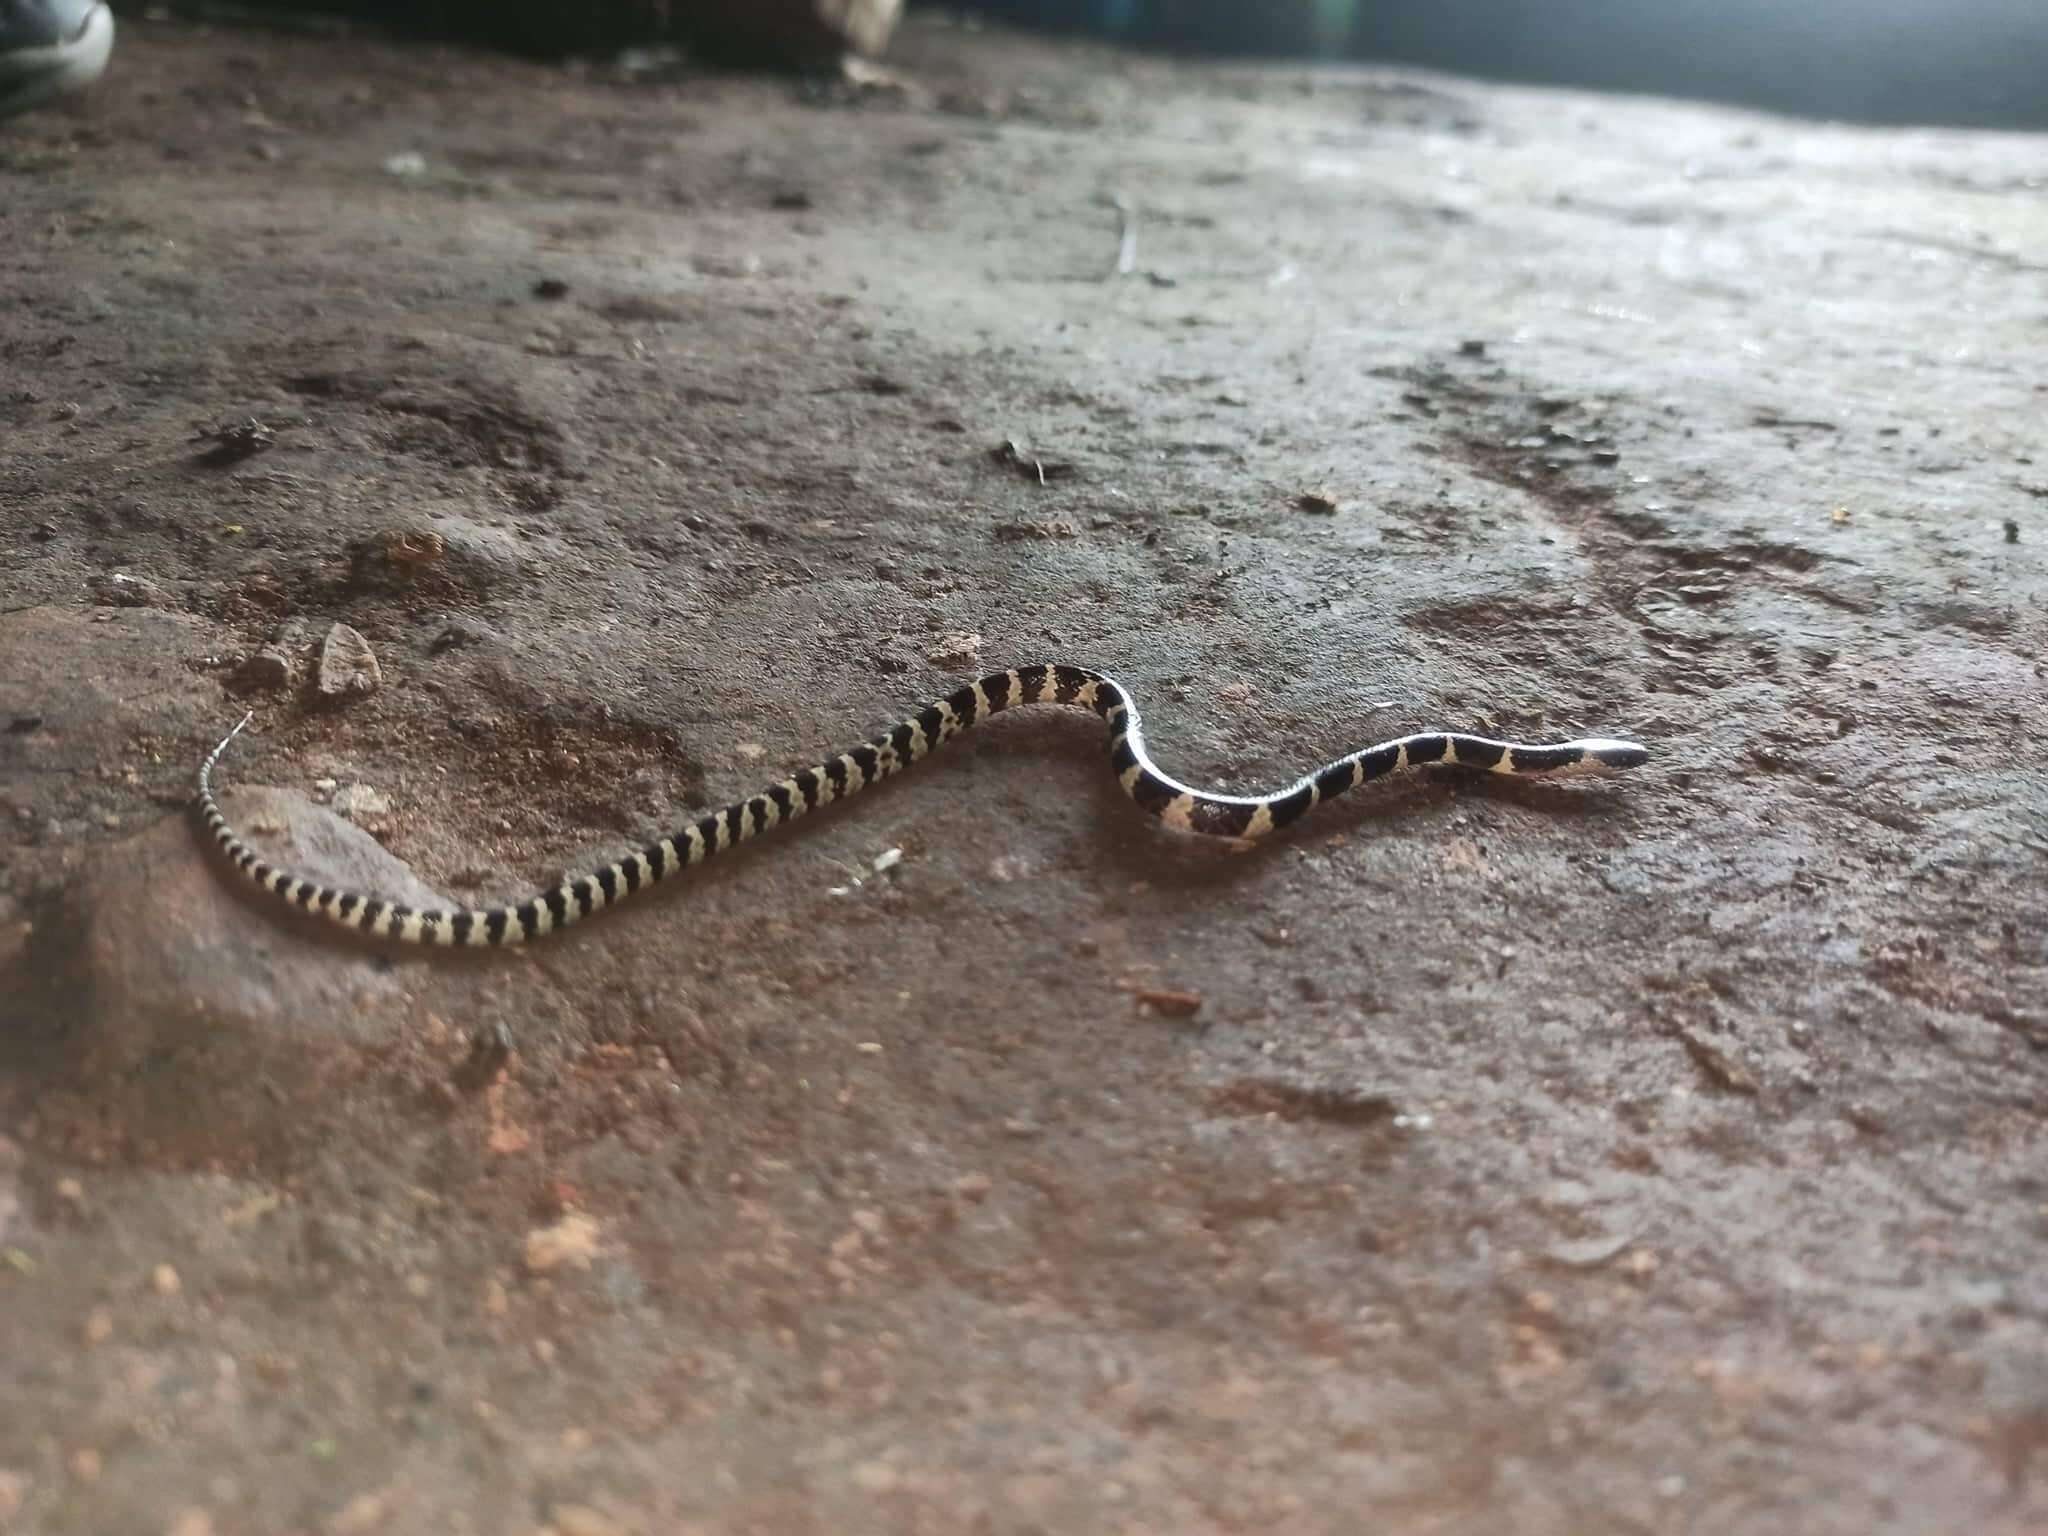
{"points": [[48, 47]]}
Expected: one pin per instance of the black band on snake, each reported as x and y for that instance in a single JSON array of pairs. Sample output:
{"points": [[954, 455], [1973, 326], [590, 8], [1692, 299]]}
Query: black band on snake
{"points": [[1174, 803]]}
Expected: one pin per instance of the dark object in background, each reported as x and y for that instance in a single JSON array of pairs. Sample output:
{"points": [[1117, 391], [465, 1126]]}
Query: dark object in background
{"points": [[788, 33], [50, 47], [1968, 63]]}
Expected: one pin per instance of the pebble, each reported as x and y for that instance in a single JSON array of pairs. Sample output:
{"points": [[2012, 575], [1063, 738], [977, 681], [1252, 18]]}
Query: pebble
{"points": [[164, 1280], [359, 800], [120, 590], [348, 667], [267, 668], [571, 1241], [955, 651]]}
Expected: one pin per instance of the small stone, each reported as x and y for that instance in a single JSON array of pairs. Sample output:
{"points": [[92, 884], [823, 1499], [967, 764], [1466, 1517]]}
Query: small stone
{"points": [[358, 801], [234, 441], [190, 1522], [459, 632], [955, 652], [99, 1325], [85, 1464], [571, 1241], [117, 589], [268, 668], [164, 1281], [348, 667]]}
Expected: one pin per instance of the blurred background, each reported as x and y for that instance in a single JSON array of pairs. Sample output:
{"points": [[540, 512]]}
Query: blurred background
{"points": [[1977, 63]]}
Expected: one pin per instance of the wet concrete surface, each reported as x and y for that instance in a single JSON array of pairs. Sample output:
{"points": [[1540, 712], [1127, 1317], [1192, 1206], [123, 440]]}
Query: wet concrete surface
{"points": [[1662, 1154]]}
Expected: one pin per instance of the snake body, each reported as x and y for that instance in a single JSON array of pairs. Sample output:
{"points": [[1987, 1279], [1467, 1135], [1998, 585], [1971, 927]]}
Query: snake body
{"points": [[1174, 803]]}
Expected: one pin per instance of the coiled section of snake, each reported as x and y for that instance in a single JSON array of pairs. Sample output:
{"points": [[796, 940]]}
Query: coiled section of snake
{"points": [[1174, 803]]}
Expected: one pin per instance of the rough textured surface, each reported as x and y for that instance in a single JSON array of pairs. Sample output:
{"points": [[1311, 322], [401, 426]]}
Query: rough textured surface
{"points": [[1657, 1156], [185, 1035]]}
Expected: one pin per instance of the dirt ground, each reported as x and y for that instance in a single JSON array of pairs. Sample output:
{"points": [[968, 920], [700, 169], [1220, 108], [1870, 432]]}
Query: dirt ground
{"points": [[1658, 1155]]}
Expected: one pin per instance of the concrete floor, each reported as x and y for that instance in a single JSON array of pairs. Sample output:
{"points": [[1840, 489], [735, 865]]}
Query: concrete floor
{"points": [[1653, 1156]]}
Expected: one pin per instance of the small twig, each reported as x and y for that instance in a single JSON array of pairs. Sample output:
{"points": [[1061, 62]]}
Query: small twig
{"points": [[1171, 1002], [1127, 237]]}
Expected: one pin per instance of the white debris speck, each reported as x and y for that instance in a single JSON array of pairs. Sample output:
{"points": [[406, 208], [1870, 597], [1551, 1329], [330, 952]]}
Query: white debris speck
{"points": [[408, 164]]}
